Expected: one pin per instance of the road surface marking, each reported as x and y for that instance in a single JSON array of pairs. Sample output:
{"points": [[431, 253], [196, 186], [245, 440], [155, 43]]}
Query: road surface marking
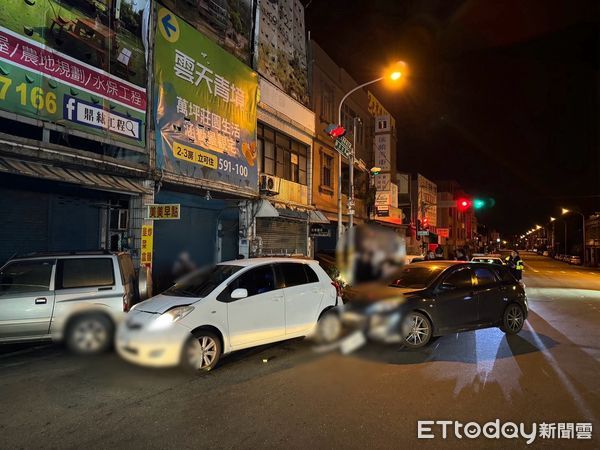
{"points": [[580, 403], [562, 271]]}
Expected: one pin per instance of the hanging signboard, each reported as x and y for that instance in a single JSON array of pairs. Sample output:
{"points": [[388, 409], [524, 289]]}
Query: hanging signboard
{"points": [[205, 108], [318, 230], [164, 211], [443, 232], [81, 65], [147, 245]]}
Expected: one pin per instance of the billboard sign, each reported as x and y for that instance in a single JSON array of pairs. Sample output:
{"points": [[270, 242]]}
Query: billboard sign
{"points": [[205, 108], [77, 64], [226, 22]]}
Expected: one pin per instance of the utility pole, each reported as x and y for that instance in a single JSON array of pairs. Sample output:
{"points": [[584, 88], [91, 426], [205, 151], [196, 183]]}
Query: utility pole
{"points": [[351, 176]]}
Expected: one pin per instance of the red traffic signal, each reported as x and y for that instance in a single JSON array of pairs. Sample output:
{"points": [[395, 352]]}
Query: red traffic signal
{"points": [[463, 204], [425, 222], [335, 131]]}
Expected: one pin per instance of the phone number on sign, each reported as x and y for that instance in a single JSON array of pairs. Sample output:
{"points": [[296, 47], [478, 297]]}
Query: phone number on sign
{"points": [[192, 155], [228, 166]]}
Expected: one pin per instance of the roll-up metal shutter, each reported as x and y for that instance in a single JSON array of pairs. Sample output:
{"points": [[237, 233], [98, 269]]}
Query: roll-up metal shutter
{"points": [[281, 236]]}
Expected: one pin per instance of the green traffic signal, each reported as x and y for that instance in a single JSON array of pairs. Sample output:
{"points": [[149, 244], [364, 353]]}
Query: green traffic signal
{"points": [[486, 202]]}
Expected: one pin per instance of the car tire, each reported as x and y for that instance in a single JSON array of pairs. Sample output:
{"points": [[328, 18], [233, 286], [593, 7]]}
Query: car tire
{"points": [[513, 319], [90, 334], [416, 330], [328, 328], [201, 352]]}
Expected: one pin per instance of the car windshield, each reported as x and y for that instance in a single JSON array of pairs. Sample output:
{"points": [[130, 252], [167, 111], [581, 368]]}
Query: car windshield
{"points": [[202, 282], [417, 277]]}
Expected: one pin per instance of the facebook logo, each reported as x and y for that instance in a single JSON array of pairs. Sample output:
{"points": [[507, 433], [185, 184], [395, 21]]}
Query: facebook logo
{"points": [[95, 116]]}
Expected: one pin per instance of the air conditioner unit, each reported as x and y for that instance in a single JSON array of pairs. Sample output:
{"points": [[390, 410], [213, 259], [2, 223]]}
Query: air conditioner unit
{"points": [[268, 185]]}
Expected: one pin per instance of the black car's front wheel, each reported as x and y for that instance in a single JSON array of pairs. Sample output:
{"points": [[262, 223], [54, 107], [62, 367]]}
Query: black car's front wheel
{"points": [[513, 319], [416, 330]]}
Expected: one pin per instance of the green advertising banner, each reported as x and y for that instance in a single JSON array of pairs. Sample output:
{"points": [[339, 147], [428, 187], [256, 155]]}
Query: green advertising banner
{"points": [[205, 108], [80, 64]]}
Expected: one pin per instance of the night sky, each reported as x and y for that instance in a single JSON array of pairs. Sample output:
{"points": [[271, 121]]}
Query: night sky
{"points": [[503, 95]]}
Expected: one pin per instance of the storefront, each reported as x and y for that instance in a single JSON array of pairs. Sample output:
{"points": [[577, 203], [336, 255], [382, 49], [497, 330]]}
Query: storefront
{"points": [[206, 232], [284, 137], [74, 210]]}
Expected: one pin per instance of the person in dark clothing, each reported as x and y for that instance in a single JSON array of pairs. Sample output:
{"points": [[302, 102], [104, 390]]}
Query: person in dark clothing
{"points": [[460, 256], [439, 252]]}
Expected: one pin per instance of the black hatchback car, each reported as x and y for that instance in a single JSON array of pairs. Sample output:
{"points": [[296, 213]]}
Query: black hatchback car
{"points": [[435, 298]]}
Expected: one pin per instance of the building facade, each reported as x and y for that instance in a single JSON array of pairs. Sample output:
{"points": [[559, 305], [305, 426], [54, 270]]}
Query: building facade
{"points": [[329, 83]]}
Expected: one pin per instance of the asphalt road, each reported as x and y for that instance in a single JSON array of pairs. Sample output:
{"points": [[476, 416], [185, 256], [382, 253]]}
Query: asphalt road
{"points": [[288, 396]]}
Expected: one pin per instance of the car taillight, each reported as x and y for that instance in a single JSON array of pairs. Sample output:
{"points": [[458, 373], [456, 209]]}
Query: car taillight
{"points": [[338, 288]]}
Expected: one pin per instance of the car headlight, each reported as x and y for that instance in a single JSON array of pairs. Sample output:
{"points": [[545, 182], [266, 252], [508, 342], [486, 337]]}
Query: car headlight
{"points": [[171, 316], [383, 307]]}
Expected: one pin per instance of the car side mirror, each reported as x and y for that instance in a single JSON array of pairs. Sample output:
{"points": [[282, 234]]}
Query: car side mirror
{"points": [[239, 293], [447, 286]]}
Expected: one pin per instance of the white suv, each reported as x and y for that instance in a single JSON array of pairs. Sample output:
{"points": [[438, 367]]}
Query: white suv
{"points": [[75, 296], [228, 307]]}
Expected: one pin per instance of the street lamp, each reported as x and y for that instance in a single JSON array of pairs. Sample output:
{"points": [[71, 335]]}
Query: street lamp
{"points": [[395, 73], [552, 219], [566, 211]]}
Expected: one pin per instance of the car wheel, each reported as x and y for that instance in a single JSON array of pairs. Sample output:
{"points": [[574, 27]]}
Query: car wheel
{"points": [[90, 334], [513, 319], [328, 329], [201, 352], [416, 330]]}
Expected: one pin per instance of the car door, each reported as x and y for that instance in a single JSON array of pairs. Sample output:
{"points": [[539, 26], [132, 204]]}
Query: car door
{"points": [[456, 304], [303, 295], [85, 283], [488, 294], [26, 298], [260, 317]]}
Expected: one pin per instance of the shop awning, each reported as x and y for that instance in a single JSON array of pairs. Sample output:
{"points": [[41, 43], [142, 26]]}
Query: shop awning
{"points": [[266, 209], [287, 213], [80, 177], [317, 216]]}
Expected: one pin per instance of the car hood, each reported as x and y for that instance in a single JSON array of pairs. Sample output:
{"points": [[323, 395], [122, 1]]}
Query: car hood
{"points": [[161, 303], [374, 292]]}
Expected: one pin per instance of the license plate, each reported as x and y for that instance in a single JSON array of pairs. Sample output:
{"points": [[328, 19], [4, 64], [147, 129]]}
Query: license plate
{"points": [[353, 342]]}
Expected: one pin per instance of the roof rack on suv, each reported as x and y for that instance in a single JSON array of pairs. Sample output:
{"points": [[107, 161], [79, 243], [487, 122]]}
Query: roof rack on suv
{"points": [[68, 253]]}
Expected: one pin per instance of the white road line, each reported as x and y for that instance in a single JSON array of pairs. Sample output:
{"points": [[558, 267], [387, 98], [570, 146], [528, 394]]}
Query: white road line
{"points": [[580, 403], [562, 271]]}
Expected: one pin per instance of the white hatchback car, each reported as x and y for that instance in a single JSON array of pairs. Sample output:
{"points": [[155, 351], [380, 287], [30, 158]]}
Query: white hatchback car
{"points": [[230, 306]]}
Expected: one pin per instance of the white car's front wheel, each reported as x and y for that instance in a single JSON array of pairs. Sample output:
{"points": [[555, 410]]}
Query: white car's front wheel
{"points": [[201, 352]]}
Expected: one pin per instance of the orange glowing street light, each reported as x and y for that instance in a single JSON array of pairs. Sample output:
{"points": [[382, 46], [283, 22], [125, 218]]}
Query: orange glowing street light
{"points": [[394, 73]]}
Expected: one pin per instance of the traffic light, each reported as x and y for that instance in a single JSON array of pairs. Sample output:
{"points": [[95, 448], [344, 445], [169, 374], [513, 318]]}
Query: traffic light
{"points": [[425, 223], [463, 204], [480, 203], [335, 131]]}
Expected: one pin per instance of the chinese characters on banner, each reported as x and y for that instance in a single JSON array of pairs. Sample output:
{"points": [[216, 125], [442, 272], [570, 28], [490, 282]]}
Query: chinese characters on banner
{"points": [[164, 211], [75, 69], [206, 108], [147, 245]]}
